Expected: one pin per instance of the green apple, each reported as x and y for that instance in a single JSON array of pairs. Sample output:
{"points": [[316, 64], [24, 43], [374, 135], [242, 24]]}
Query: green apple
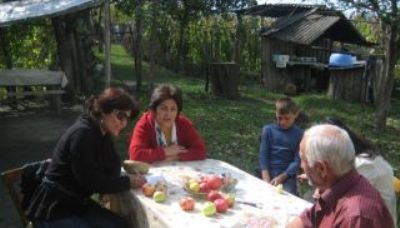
{"points": [[279, 188], [159, 196], [209, 209], [194, 187]]}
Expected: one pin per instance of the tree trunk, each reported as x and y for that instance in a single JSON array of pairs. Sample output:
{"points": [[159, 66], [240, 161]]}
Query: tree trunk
{"points": [[238, 39], [138, 45], [206, 58], [70, 31], [181, 45], [217, 43], [99, 32], [5, 48], [153, 47], [107, 44], [385, 80], [64, 52]]}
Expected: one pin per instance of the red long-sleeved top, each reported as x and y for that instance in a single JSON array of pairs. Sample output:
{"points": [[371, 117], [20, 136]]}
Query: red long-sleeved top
{"points": [[143, 144]]}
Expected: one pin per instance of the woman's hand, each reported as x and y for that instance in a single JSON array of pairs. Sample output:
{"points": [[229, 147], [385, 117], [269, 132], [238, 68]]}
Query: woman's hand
{"points": [[279, 179], [136, 180], [174, 157], [174, 150]]}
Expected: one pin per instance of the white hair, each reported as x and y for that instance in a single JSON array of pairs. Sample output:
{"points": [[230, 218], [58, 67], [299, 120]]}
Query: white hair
{"points": [[331, 144]]}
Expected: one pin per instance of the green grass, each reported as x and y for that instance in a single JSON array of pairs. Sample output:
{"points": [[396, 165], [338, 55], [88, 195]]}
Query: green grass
{"points": [[231, 128]]}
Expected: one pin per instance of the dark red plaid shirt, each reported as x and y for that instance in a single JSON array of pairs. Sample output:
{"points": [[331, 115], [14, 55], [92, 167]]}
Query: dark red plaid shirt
{"points": [[352, 202]]}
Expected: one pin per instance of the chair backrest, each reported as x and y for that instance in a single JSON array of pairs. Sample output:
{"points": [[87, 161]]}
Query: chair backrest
{"points": [[11, 180]]}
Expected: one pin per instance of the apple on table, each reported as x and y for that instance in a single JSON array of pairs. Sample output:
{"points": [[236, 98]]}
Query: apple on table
{"points": [[221, 205], [187, 203], [159, 196], [209, 209]]}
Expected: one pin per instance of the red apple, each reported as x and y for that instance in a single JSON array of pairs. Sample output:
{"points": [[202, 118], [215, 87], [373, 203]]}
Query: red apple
{"points": [[221, 204], [213, 195], [214, 182], [204, 187], [148, 190], [203, 179], [187, 203]]}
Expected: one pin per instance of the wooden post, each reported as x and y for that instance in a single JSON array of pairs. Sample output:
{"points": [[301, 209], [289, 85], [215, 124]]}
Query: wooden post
{"points": [[107, 43], [138, 44]]}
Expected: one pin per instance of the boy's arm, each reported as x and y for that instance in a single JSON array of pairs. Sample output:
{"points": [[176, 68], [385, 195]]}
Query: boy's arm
{"points": [[294, 166], [264, 155], [265, 175]]}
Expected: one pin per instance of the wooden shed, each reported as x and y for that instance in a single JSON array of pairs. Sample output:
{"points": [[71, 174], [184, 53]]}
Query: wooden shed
{"points": [[297, 46]]}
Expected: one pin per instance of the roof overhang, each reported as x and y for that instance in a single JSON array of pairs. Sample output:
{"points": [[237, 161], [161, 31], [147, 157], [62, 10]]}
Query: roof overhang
{"points": [[304, 24], [27, 10], [305, 31]]}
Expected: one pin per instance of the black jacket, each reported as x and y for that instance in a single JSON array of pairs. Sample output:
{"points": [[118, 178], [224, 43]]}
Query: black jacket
{"points": [[84, 162]]}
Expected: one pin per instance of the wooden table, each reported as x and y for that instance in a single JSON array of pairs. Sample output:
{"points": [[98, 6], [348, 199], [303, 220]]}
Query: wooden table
{"points": [[280, 207]]}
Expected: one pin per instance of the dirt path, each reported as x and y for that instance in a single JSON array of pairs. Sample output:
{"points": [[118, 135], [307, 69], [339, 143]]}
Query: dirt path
{"points": [[25, 138]]}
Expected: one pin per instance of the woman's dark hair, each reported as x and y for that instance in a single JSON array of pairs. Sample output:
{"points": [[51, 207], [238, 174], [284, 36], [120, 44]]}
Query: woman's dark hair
{"points": [[109, 100], [164, 92], [361, 144]]}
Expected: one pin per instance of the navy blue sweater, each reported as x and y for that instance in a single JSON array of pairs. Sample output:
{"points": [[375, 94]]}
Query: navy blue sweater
{"points": [[279, 149]]}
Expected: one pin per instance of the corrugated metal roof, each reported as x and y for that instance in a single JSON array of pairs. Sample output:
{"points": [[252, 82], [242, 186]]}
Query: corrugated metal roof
{"points": [[17, 11], [280, 10], [307, 30], [304, 24]]}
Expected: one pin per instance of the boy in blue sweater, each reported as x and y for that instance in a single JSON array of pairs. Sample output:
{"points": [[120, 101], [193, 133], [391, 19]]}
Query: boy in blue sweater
{"points": [[279, 149]]}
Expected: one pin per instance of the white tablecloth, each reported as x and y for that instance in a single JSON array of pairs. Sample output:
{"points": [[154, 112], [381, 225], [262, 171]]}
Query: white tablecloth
{"points": [[280, 207], [30, 77]]}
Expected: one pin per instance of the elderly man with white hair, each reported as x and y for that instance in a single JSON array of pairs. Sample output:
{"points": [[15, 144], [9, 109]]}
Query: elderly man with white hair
{"points": [[346, 199]]}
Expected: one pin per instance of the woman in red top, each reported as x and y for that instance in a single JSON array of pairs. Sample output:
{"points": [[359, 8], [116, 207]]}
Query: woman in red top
{"points": [[163, 133]]}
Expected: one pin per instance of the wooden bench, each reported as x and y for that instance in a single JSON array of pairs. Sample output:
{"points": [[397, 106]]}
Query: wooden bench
{"points": [[54, 81]]}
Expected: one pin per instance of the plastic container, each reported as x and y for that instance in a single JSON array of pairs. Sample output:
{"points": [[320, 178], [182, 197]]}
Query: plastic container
{"points": [[338, 59]]}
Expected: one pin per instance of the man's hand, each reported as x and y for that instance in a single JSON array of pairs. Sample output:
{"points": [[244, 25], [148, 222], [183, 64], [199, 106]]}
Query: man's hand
{"points": [[302, 178], [295, 223]]}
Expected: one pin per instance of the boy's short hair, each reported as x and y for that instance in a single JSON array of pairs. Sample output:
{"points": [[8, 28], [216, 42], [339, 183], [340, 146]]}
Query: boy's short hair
{"points": [[285, 106]]}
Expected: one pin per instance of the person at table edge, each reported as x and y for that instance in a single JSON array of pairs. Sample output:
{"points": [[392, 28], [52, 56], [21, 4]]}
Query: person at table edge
{"points": [[163, 133], [346, 198], [84, 162]]}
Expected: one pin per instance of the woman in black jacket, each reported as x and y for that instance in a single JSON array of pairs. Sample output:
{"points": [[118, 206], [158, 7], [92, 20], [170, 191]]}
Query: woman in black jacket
{"points": [[84, 162]]}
